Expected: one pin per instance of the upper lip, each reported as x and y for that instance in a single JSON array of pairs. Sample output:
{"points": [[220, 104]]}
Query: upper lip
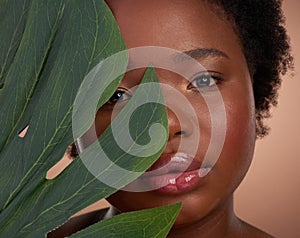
{"points": [[173, 163]]}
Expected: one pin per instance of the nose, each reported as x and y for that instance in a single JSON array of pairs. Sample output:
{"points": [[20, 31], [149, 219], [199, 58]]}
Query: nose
{"points": [[182, 117], [177, 128], [180, 128]]}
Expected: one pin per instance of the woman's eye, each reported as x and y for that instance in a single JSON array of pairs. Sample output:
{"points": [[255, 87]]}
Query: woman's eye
{"points": [[119, 96], [204, 80]]}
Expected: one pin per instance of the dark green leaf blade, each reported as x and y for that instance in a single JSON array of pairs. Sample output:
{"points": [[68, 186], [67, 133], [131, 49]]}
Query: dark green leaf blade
{"points": [[72, 55], [31, 205], [24, 72], [79, 44], [13, 15], [156, 222], [84, 188], [20, 85]]}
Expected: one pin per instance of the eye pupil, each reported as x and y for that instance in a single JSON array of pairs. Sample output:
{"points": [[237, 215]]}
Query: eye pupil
{"points": [[116, 97]]}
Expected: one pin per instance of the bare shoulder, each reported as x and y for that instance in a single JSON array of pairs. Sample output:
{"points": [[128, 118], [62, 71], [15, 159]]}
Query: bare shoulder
{"points": [[250, 231]]}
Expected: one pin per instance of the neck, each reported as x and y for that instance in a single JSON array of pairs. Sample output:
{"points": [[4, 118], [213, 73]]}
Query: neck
{"points": [[222, 222]]}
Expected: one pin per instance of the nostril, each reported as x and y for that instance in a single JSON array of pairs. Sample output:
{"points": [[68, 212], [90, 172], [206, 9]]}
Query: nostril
{"points": [[180, 133]]}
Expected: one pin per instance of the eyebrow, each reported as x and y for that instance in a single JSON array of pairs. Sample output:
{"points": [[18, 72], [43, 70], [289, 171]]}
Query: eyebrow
{"points": [[200, 53]]}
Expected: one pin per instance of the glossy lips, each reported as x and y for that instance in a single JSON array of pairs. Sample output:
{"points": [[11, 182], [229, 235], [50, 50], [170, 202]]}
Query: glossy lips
{"points": [[175, 174]]}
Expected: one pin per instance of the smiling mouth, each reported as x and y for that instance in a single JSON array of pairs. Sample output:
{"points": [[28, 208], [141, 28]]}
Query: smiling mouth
{"points": [[175, 174]]}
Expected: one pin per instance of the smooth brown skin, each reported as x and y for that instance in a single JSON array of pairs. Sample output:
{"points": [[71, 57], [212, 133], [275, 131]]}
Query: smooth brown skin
{"points": [[207, 211]]}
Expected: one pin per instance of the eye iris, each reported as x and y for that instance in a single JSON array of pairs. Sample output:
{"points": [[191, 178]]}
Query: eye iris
{"points": [[116, 97], [203, 80]]}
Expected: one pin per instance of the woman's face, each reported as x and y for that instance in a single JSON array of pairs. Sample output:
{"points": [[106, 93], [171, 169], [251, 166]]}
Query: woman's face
{"points": [[187, 26]]}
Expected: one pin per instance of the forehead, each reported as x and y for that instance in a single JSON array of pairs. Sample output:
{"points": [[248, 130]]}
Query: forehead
{"points": [[177, 24]]}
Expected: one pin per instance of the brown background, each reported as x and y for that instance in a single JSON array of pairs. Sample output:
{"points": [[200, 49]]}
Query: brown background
{"points": [[269, 197]]}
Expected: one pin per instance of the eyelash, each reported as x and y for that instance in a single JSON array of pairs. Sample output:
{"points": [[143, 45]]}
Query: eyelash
{"points": [[208, 79], [117, 93]]}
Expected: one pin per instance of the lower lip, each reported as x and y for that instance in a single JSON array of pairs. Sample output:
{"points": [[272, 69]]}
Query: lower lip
{"points": [[176, 183]]}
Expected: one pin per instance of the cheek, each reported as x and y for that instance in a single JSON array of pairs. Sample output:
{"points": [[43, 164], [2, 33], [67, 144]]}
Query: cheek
{"points": [[102, 121], [241, 128], [241, 119], [240, 136]]}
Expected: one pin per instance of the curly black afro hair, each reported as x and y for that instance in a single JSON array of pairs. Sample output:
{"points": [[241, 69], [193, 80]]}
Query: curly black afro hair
{"points": [[260, 25]]}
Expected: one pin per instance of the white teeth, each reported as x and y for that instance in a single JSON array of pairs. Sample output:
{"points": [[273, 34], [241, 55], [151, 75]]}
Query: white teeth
{"points": [[203, 172], [189, 178], [172, 181]]}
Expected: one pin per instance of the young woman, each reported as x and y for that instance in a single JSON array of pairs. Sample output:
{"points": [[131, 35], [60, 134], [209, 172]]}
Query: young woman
{"points": [[244, 48]]}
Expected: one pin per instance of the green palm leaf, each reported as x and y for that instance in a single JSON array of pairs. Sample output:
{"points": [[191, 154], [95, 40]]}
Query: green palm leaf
{"points": [[153, 221], [47, 48]]}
